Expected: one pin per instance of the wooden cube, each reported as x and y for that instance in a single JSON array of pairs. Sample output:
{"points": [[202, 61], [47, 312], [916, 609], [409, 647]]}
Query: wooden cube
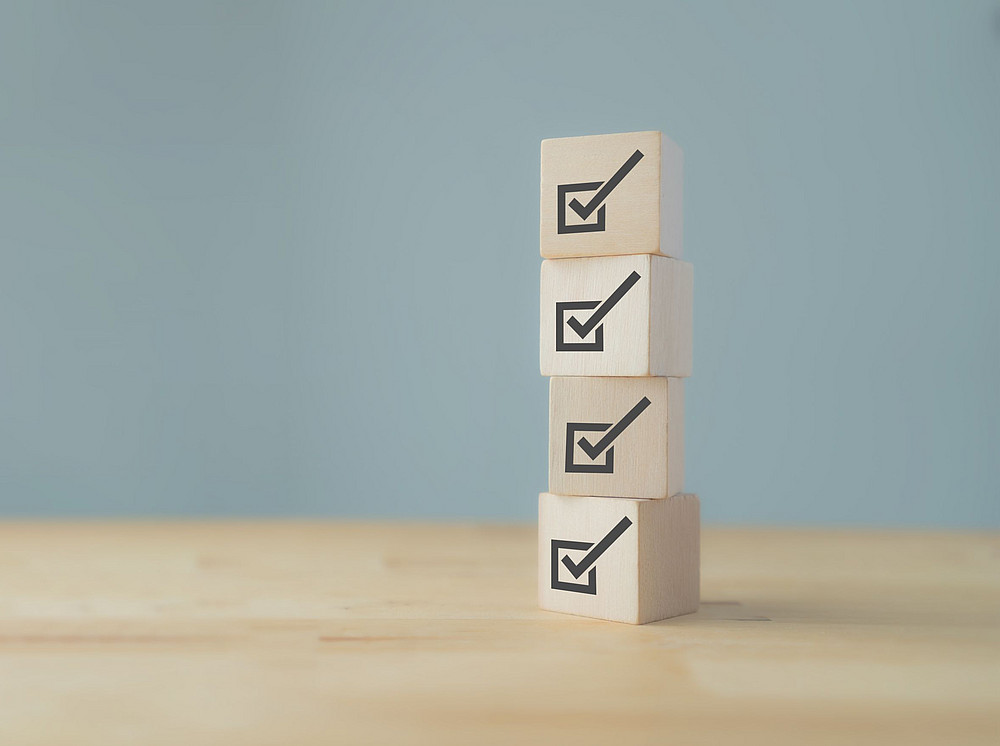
{"points": [[616, 437], [616, 316], [632, 561], [611, 194]]}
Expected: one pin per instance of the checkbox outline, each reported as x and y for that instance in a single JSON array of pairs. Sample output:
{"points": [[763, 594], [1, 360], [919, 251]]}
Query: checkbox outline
{"points": [[561, 191], [577, 305], [572, 428], [590, 587]]}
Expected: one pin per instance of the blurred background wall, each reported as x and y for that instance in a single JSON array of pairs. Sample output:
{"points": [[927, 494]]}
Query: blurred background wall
{"points": [[282, 258]]}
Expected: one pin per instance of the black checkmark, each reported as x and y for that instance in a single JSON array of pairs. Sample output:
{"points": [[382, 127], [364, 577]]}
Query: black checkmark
{"points": [[595, 450], [579, 568], [584, 211], [584, 329]]}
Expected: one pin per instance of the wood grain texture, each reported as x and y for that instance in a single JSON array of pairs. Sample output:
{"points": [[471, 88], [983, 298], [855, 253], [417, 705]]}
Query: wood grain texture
{"points": [[648, 571], [647, 456], [643, 331], [642, 213], [317, 633]]}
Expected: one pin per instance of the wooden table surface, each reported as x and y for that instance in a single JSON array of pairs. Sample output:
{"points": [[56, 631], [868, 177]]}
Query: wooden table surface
{"points": [[353, 633]]}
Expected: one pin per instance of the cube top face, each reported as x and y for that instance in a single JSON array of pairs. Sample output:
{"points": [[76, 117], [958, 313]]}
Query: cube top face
{"points": [[611, 195], [616, 316], [616, 437], [632, 561]]}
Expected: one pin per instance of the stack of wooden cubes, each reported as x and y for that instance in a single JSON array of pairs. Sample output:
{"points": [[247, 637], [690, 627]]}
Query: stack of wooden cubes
{"points": [[617, 537]]}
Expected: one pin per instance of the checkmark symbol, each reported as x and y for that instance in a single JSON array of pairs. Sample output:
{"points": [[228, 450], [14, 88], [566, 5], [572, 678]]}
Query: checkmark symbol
{"points": [[595, 450], [579, 568], [583, 329], [585, 211]]}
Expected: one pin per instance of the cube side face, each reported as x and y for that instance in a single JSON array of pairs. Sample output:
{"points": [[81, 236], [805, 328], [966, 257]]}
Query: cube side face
{"points": [[671, 198], [613, 437], [669, 557], [600, 540], [675, 435], [601, 195], [671, 317], [595, 316]]}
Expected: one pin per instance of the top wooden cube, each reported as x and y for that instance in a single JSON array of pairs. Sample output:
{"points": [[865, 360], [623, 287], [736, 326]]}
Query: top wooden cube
{"points": [[611, 194]]}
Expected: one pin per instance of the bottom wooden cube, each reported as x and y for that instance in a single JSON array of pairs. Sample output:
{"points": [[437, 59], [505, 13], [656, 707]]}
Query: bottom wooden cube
{"points": [[626, 560]]}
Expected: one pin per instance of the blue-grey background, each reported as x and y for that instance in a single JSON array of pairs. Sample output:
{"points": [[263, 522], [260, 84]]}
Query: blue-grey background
{"points": [[281, 258]]}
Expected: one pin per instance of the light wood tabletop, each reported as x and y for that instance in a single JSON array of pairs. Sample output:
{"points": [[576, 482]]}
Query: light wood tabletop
{"points": [[357, 633]]}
